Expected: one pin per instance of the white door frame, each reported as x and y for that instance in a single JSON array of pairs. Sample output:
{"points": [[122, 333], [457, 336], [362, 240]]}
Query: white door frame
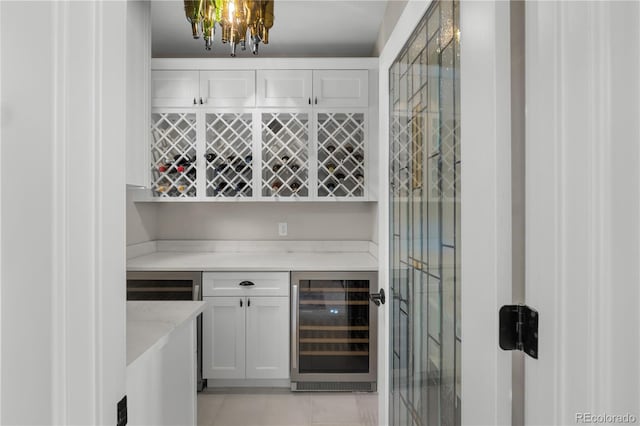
{"points": [[583, 209], [486, 204], [63, 281]]}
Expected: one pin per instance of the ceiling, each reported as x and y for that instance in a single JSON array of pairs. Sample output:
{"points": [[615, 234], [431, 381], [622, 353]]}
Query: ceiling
{"points": [[302, 28]]}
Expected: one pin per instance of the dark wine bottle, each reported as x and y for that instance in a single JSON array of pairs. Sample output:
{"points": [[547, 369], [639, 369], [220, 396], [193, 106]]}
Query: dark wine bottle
{"points": [[331, 167], [285, 158], [340, 176], [358, 158], [240, 167], [248, 159], [276, 167], [210, 157], [275, 186], [360, 178], [331, 186], [295, 186], [349, 148], [221, 167], [294, 167], [331, 148]]}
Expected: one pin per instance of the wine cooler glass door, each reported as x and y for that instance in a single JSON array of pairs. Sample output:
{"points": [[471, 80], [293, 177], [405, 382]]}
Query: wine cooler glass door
{"points": [[334, 333]]}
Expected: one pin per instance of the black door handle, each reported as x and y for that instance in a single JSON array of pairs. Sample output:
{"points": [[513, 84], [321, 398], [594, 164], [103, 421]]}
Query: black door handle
{"points": [[248, 302], [378, 298], [246, 283], [241, 303]]}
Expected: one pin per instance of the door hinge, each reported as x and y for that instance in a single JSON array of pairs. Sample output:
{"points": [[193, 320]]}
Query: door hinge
{"points": [[122, 412], [519, 329]]}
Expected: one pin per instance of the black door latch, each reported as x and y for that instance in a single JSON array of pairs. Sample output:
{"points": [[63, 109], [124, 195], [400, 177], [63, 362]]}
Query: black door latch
{"points": [[519, 329], [378, 298]]}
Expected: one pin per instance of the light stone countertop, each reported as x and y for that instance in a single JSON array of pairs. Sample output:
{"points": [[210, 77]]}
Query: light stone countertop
{"points": [[149, 323], [253, 261]]}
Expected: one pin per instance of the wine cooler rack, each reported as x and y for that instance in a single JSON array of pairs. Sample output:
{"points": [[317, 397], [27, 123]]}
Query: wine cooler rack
{"points": [[341, 154], [173, 154], [229, 155], [336, 327], [199, 154]]}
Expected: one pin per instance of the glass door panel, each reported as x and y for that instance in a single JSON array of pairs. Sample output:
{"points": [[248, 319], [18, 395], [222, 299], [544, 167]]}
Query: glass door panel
{"points": [[334, 326], [424, 225]]}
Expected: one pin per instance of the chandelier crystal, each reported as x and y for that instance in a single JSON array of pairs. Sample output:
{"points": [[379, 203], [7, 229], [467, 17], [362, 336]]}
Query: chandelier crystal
{"points": [[235, 17]]}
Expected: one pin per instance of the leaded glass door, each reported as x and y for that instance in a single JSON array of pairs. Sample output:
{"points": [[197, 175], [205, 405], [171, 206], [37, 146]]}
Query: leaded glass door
{"points": [[425, 223]]}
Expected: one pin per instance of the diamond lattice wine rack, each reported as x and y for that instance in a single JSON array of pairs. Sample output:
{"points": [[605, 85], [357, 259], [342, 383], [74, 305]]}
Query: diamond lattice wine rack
{"points": [[229, 154], [340, 154], [173, 154], [285, 154]]}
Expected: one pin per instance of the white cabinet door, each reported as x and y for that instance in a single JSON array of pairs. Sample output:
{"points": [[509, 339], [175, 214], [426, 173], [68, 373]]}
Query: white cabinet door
{"points": [[223, 338], [228, 88], [341, 88], [175, 88], [267, 338], [283, 88]]}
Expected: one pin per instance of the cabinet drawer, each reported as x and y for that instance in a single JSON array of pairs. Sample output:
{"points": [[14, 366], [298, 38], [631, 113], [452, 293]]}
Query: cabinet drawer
{"points": [[228, 283]]}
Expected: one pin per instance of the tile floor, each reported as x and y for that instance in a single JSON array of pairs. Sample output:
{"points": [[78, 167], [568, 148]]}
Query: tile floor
{"points": [[287, 409]]}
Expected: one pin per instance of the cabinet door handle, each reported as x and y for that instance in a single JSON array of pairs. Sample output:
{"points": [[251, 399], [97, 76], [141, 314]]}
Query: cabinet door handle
{"points": [[241, 303], [194, 101], [246, 283], [316, 100], [248, 302], [201, 101], [309, 101]]}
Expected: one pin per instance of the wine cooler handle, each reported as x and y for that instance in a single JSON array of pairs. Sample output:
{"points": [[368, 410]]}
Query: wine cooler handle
{"points": [[194, 101], [378, 298], [241, 303], [246, 283], [294, 327]]}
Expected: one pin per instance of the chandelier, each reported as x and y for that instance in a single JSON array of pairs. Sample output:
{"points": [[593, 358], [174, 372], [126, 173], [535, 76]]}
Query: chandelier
{"points": [[236, 18]]}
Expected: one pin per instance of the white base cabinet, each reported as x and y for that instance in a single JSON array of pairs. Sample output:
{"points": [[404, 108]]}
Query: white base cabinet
{"points": [[246, 331]]}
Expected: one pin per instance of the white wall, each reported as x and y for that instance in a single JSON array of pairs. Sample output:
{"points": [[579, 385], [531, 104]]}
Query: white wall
{"points": [[259, 221], [391, 15], [141, 220]]}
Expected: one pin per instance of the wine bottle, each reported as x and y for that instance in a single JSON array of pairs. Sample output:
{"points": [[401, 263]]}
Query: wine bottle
{"points": [[231, 159], [358, 158], [248, 159], [331, 148], [294, 167], [331, 186], [276, 167], [193, 12], [295, 186], [360, 178], [275, 186], [349, 148], [240, 167], [331, 167], [221, 167], [161, 189], [220, 187], [340, 176], [285, 158], [162, 168], [240, 186], [210, 157]]}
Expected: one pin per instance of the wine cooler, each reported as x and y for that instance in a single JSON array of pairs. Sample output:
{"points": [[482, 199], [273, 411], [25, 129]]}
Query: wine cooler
{"points": [[333, 331]]}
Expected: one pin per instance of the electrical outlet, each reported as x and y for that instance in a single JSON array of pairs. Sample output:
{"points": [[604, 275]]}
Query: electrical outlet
{"points": [[282, 229]]}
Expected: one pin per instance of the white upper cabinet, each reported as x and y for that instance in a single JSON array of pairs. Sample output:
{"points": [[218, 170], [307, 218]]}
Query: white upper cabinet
{"points": [[175, 88], [206, 88], [341, 88], [284, 88], [323, 88], [228, 88]]}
